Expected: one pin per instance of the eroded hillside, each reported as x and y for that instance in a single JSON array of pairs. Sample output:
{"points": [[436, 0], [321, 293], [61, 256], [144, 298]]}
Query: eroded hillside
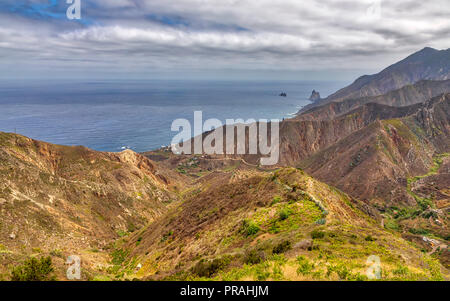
{"points": [[68, 200]]}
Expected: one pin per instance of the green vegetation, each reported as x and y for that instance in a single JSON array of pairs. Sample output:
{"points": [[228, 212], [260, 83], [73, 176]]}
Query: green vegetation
{"points": [[122, 233], [289, 216], [425, 203], [305, 267], [418, 231], [317, 234], [369, 238], [118, 257], [34, 270], [282, 247], [205, 268], [3, 249], [285, 213], [254, 257], [249, 228], [56, 253], [166, 236], [276, 200]]}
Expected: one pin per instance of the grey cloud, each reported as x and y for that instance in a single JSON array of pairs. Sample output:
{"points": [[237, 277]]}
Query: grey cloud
{"points": [[138, 35]]}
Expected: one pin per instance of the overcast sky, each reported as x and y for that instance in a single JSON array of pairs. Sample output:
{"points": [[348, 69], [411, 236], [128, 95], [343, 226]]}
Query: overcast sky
{"points": [[286, 39]]}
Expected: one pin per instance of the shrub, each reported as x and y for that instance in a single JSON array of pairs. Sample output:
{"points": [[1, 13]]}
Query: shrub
{"points": [[392, 225], [317, 234], [369, 238], [341, 270], [282, 247], [276, 199], [262, 271], [166, 236], [254, 257], [250, 228], [434, 268], [424, 204], [304, 266], [118, 256], [205, 268], [321, 221], [401, 271], [56, 253], [418, 231], [34, 270], [284, 214]]}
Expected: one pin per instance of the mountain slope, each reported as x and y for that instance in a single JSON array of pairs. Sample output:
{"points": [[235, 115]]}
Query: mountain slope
{"points": [[405, 96], [69, 199], [300, 139], [391, 149], [426, 64], [254, 225]]}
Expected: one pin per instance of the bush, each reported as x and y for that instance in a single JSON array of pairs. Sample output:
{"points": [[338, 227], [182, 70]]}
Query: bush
{"points": [[250, 228], [321, 221], [205, 268], [401, 271], [276, 200], [392, 225], [282, 247], [284, 214], [317, 234], [118, 257], [369, 238], [424, 204], [304, 266], [418, 231], [34, 270], [254, 257], [57, 253]]}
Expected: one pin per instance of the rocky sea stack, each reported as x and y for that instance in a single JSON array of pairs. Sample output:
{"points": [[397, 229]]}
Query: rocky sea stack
{"points": [[315, 96]]}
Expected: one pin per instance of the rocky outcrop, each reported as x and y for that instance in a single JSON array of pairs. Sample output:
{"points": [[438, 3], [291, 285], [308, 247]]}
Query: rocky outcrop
{"points": [[315, 96]]}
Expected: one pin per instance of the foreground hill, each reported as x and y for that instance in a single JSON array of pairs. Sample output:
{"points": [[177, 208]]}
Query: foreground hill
{"points": [[233, 221], [255, 225], [426, 64], [66, 200]]}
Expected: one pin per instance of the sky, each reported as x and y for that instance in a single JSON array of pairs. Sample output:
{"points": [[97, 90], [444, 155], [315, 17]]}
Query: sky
{"points": [[207, 39]]}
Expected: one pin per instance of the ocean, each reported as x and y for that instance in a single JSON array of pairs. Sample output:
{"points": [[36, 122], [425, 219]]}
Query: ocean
{"points": [[115, 115]]}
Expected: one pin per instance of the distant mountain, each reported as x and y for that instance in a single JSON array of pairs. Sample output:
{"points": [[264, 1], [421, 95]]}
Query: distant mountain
{"points": [[398, 165], [428, 63], [405, 96], [375, 161]]}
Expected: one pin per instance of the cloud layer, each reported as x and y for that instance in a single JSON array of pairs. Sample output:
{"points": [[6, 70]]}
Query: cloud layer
{"points": [[144, 36]]}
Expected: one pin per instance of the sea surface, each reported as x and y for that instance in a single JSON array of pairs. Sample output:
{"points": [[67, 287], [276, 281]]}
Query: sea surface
{"points": [[114, 115]]}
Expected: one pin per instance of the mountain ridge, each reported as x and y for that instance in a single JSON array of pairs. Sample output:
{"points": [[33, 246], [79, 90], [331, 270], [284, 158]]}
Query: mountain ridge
{"points": [[426, 64]]}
